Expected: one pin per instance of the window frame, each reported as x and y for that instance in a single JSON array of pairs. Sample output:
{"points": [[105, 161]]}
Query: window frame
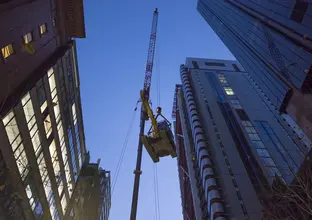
{"points": [[45, 30], [31, 34], [228, 91], [10, 52]]}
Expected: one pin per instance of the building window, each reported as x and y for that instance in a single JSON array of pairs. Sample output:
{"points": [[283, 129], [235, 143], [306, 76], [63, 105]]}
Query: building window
{"points": [[64, 203], [222, 78], [214, 64], [60, 185], [299, 11], [42, 96], [16, 143], [266, 128], [53, 209], [28, 38], [254, 137], [48, 126], [34, 203], [7, 51], [42, 29], [263, 153], [74, 114], [31, 123], [228, 90], [236, 67], [195, 65], [55, 160], [242, 115], [235, 104], [261, 149]]}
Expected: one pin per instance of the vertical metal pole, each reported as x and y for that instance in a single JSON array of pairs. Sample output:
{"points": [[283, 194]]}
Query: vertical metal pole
{"points": [[137, 171]]}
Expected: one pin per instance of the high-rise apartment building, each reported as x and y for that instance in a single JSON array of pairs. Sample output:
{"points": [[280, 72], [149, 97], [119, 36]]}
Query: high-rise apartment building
{"points": [[273, 42], [41, 131], [92, 194], [42, 141], [230, 143]]}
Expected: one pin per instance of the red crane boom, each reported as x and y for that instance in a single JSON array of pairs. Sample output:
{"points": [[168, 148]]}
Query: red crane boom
{"points": [[150, 56], [146, 95], [159, 140]]}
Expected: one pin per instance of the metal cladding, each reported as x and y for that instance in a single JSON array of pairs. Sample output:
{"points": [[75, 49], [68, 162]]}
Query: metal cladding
{"points": [[208, 176]]}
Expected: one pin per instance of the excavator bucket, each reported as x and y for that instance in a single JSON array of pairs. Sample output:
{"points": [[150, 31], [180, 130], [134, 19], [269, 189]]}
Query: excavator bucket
{"points": [[161, 146]]}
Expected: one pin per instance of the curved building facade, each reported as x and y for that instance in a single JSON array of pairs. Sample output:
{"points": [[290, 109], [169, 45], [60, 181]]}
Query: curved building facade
{"points": [[230, 142]]}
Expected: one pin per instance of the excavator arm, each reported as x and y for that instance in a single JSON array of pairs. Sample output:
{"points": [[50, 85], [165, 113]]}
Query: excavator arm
{"points": [[150, 114]]}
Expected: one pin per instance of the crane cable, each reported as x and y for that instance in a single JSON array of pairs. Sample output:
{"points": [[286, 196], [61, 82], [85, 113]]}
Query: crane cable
{"points": [[156, 192], [124, 147]]}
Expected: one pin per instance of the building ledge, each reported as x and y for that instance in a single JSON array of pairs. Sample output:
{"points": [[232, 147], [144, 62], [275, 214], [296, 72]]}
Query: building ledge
{"points": [[75, 25]]}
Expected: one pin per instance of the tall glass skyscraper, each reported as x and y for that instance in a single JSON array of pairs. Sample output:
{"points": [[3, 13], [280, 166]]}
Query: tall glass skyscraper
{"points": [[230, 143], [273, 42]]}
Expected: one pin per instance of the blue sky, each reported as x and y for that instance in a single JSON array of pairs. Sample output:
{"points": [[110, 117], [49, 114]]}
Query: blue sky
{"points": [[111, 64]]}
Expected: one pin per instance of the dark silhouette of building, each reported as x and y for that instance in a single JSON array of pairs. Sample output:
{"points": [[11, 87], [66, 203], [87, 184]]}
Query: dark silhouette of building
{"points": [[273, 42], [92, 194]]}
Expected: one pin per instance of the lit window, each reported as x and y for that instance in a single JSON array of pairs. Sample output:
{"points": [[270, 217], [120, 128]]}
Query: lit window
{"points": [[43, 29], [8, 117], [16, 143], [61, 186], [28, 38], [52, 84], [36, 142], [222, 79], [42, 96], [42, 166], [7, 51], [48, 125], [64, 203], [55, 160], [12, 130], [28, 111], [44, 106], [17, 146], [74, 113], [50, 72], [228, 91]]}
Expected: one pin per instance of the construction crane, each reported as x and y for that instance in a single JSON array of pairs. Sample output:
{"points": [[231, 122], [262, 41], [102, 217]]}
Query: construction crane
{"points": [[159, 139]]}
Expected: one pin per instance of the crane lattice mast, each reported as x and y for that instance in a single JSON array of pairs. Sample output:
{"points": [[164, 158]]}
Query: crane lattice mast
{"points": [[146, 96]]}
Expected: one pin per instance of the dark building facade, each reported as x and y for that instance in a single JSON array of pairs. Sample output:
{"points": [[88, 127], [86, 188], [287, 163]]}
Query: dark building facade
{"points": [[230, 143], [92, 194], [273, 42], [42, 140], [41, 129], [31, 33]]}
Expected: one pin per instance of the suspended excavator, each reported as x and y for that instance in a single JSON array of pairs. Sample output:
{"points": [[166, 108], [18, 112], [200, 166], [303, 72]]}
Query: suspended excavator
{"points": [[158, 141]]}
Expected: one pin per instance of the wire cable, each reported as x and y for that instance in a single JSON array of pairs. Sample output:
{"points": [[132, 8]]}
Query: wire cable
{"points": [[124, 147], [155, 193]]}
